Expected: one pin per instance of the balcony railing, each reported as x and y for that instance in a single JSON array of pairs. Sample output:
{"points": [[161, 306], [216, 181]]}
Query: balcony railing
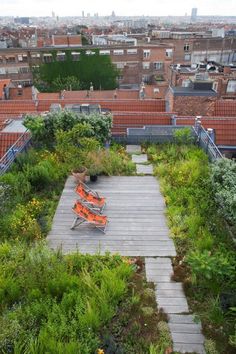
{"points": [[20, 145]]}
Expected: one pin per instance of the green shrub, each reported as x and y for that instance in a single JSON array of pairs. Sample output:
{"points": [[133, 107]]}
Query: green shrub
{"points": [[52, 303], [212, 270], [184, 136], [224, 184]]}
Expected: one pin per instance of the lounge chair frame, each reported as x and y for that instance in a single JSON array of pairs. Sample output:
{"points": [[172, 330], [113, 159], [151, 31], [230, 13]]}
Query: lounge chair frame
{"points": [[80, 219], [93, 193]]}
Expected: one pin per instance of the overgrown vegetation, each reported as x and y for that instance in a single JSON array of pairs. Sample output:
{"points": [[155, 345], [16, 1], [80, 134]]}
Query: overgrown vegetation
{"points": [[51, 303], [88, 67], [54, 304], [196, 198]]}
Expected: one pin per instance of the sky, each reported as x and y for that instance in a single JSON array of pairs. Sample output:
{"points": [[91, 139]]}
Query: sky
{"points": [[121, 7]]}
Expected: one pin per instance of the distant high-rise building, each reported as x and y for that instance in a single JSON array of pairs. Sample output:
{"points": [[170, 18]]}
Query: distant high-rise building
{"points": [[53, 14], [113, 14], [82, 13], [194, 14]]}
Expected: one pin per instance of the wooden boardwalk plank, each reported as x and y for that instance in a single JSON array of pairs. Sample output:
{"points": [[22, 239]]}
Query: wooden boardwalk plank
{"points": [[136, 213]]}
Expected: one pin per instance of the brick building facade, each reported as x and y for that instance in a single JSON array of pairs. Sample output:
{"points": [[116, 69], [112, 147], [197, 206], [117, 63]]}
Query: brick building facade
{"points": [[145, 63]]}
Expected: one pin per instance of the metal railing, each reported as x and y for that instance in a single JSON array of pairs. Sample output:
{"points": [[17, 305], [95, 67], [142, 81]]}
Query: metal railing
{"points": [[9, 157], [206, 142]]}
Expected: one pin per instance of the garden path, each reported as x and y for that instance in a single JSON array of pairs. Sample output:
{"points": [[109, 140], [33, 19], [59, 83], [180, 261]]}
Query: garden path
{"points": [[137, 227], [186, 334], [135, 210]]}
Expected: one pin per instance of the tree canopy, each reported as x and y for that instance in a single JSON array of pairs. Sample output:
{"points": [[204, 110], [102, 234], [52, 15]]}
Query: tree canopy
{"points": [[92, 67]]}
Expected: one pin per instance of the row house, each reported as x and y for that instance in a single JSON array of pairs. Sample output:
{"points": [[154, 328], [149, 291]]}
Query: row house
{"points": [[222, 78], [137, 64], [190, 50]]}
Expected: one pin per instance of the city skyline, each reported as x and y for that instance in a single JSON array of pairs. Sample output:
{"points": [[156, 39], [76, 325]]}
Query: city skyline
{"points": [[125, 8]]}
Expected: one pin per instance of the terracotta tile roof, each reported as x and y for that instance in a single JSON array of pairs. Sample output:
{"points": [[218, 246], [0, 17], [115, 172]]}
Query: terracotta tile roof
{"points": [[7, 140], [225, 108], [17, 107], [124, 120], [116, 105], [66, 40], [225, 128], [48, 96]]}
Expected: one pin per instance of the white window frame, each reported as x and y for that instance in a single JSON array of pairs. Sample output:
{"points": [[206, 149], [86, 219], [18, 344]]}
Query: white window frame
{"points": [[146, 53], [104, 52], [118, 52], [146, 65], [186, 47], [120, 65], [132, 51], [186, 83], [187, 56], [158, 65], [215, 86], [169, 53], [231, 86]]}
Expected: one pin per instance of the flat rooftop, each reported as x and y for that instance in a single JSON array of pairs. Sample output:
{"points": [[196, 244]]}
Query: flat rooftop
{"points": [[188, 91]]}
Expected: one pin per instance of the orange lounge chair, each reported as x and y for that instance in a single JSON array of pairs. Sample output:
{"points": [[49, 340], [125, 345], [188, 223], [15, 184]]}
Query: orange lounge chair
{"points": [[85, 214], [90, 197]]}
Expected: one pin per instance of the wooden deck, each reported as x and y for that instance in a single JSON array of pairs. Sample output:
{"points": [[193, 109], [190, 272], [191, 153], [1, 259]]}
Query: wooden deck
{"points": [[137, 224]]}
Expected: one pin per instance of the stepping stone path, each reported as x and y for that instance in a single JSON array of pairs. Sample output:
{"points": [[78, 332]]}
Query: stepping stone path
{"points": [[133, 149], [186, 333], [141, 160]]}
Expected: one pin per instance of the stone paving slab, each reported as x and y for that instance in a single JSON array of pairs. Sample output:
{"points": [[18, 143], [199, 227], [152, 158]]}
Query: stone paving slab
{"points": [[169, 286], [144, 169], [139, 158], [185, 328], [182, 319], [188, 338], [133, 149], [178, 301], [170, 293], [189, 348], [174, 309]]}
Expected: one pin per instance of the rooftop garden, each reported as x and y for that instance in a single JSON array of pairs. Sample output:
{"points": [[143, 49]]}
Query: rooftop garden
{"points": [[102, 304]]}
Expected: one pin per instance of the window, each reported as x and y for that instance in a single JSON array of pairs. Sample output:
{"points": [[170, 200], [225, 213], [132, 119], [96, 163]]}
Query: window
{"points": [[186, 83], [10, 60], [132, 51], [146, 79], [118, 52], [120, 65], [158, 65], [47, 58], [13, 70], [75, 56], [61, 56], [24, 69], [215, 86], [146, 53], [231, 87], [35, 56], [120, 77], [169, 53], [104, 52], [2, 71], [146, 65], [186, 47], [1, 59], [90, 52], [187, 57]]}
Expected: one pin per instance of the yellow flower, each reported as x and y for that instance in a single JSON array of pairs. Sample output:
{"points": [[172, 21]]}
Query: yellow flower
{"points": [[101, 351]]}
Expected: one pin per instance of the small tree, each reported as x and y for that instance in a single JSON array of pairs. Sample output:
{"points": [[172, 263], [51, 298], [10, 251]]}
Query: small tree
{"points": [[69, 83]]}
